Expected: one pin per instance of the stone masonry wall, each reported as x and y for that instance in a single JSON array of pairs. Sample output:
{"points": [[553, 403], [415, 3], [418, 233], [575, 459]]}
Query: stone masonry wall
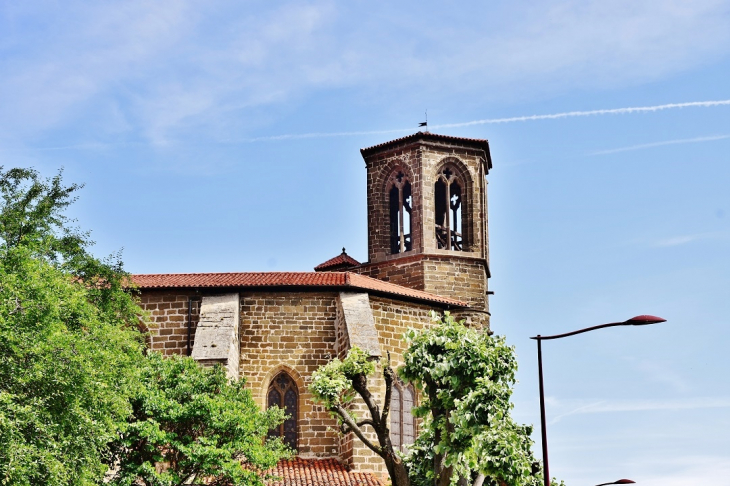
{"points": [[294, 332], [288, 331], [167, 321], [405, 271], [458, 277]]}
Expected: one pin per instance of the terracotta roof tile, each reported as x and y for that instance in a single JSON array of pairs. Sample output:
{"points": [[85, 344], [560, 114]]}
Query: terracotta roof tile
{"points": [[341, 261], [341, 280], [319, 472], [478, 142]]}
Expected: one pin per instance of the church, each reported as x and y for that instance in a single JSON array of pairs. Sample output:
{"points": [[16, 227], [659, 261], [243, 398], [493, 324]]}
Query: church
{"points": [[428, 250]]}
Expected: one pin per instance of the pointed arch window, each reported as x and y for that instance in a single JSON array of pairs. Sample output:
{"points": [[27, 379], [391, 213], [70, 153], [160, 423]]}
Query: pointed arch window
{"points": [[283, 394], [449, 204], [400, 202], [402, 422]]}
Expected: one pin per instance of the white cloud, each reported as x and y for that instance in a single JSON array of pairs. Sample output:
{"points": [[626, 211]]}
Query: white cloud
{"points": [[684, 239], [166, 69], [687, 471], [575, 407]]}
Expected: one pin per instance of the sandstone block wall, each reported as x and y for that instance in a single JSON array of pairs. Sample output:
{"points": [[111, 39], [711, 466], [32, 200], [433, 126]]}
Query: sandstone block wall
{"points": [[294, 332], [167, 319], [458, 277], [406, 271]]}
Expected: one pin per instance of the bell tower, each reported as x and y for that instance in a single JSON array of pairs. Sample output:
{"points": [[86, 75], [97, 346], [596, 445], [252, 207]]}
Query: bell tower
{"points": [[427, 215]]}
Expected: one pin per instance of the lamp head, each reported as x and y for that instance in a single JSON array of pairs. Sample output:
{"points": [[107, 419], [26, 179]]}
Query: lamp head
{"points": [[642, 321], [620, 481]]}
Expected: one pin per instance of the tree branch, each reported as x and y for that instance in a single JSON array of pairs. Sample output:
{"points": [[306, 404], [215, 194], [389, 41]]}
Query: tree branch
{"points": [[389, 376], [355, 429], [359, 383], [479, 479]]}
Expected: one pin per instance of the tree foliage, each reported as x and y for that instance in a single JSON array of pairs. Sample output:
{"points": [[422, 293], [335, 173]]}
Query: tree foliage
{"points": [[76, 391], [336, 384], [190, 424], [468, 436], [68, 348]]}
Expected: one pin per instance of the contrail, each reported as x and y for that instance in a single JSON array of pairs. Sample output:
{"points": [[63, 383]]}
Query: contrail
{"points": [[570, 114], [659, 144], [488, 121]]}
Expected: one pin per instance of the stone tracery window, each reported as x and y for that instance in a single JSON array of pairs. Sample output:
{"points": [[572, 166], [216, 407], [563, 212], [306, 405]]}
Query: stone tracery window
{"points": [[400, 203], [449, 204], [402, 422], [283, 393]]}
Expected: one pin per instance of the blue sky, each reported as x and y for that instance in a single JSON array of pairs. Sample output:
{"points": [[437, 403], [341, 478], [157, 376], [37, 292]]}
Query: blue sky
{"points": [[225, 136]]}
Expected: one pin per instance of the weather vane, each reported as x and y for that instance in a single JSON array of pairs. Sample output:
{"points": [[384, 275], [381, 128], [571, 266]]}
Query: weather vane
{"points": [[424, 123]]}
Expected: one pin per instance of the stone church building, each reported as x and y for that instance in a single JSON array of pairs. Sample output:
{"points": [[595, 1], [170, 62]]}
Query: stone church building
{"points": [[427, 251]]}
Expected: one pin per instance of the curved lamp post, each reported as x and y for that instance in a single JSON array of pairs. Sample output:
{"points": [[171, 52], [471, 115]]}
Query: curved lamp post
{"points": [[634, 321]]}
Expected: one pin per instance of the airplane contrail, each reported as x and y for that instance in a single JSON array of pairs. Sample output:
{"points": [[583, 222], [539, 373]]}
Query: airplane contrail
{"points": [[680, 141], [513, 119]]}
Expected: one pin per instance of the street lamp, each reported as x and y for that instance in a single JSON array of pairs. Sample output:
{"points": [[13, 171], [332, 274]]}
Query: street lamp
{"points": [[620, 481], [634, 321]]}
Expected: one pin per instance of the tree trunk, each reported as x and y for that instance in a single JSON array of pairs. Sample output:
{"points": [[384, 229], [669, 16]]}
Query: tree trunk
{"points": [[396, 470]]}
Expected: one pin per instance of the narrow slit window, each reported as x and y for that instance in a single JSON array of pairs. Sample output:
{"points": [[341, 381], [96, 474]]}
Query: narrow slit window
{"points": [[449, 203], [400, 202]]}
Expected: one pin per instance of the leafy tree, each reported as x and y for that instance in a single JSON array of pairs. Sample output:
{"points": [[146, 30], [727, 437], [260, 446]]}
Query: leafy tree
{"points": [[191, 424], [336, 384], [75, 387], [468, 436], [68, 348]]}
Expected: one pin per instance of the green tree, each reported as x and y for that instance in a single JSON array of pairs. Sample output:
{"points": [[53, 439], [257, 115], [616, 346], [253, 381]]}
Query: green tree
{"points": [[69, 350], [467, 436], [191, 424], [465, 377], [337, 383]]}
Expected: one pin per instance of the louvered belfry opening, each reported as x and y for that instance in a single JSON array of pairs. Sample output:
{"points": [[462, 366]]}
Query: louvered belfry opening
{"points": [[402, 422], [283, 394]]}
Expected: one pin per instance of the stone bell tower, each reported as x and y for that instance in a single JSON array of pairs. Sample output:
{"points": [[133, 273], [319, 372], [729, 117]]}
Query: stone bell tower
{"points": [[427, 216]]}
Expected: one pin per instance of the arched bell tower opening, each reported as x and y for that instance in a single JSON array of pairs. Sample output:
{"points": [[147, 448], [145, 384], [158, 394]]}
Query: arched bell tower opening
{"points": [[451, 212], [400, 201], [427, 215]]}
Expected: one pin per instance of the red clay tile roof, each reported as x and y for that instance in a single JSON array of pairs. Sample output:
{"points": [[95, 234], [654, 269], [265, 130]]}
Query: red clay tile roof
{"points": [[341, 261], [474, 142], [319, 472], [346, 280]]}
